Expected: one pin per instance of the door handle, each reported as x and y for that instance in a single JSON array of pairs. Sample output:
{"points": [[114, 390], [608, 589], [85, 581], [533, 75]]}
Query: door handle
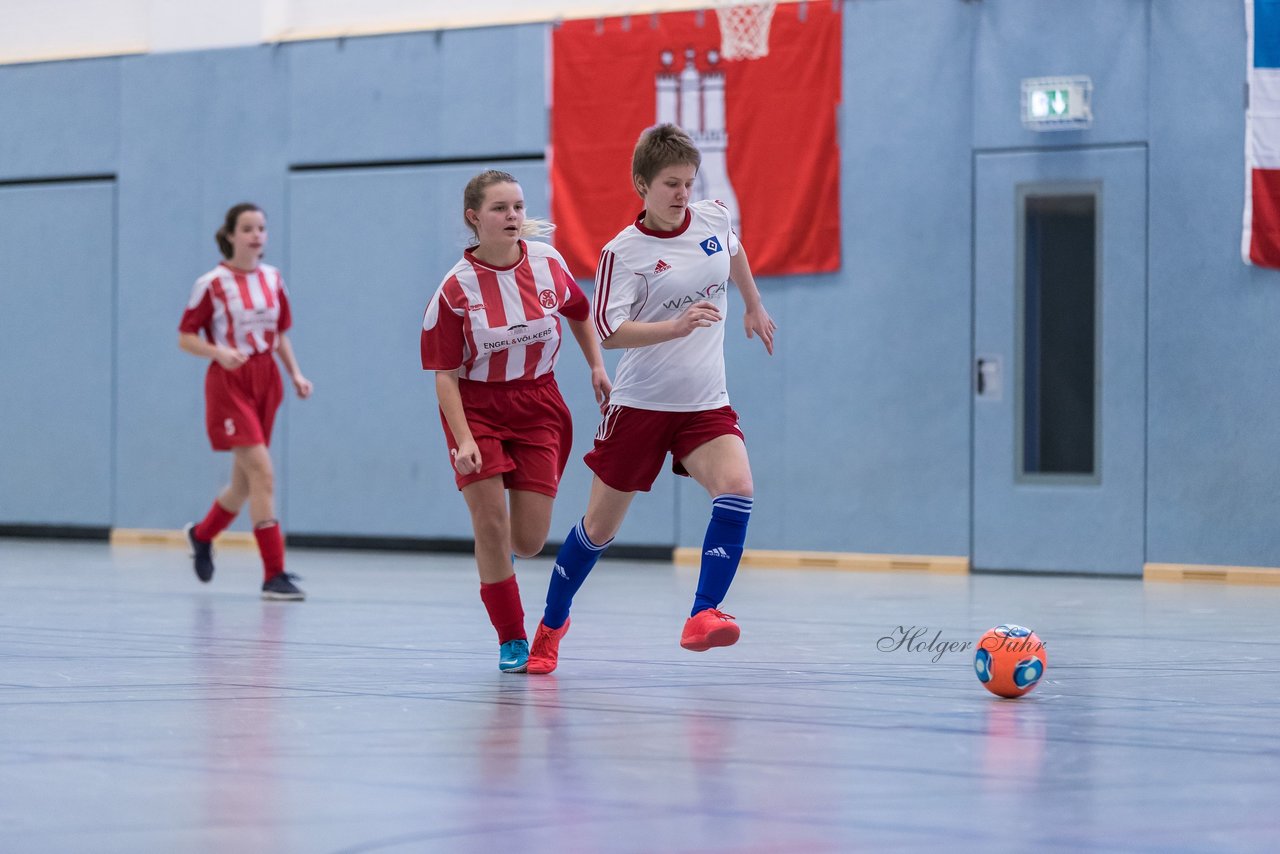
{"points": [[986, 377]]}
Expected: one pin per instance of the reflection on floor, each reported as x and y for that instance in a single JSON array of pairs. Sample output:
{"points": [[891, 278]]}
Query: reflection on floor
{"points": [[141, 711]]}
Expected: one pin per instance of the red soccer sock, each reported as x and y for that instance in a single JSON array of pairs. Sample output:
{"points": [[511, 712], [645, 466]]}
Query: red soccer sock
{"points": [[502, 601], [271, 547], [214, 523]]}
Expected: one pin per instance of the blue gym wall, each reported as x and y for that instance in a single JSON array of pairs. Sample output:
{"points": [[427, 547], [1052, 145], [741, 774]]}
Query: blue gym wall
{"points": [[114, 174], [1213, 443]]}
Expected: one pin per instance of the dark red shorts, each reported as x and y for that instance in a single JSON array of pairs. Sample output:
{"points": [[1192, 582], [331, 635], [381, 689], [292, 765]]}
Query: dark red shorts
{"points": [[240, 406], [631, 444], [523, 430]]}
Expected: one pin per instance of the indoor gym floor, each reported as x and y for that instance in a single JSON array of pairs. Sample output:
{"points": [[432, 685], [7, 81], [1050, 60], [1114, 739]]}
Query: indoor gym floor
{"points": [[141, 711]]}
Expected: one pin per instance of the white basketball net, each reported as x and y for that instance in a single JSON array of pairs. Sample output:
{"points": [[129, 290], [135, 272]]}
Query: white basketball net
{"points": [[744, 28]]}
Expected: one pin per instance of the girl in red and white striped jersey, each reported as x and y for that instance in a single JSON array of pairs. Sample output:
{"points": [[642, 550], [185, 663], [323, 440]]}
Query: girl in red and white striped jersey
{"points": [[242, 309], [492, 334]]}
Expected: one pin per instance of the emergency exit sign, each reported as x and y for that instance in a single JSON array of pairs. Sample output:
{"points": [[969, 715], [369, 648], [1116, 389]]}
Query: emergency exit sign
{"points": [[1056, 103]]}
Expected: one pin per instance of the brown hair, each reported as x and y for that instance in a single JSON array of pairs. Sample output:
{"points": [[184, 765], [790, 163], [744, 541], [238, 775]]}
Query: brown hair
{"points": [[223, 234], [661, 146], [473, 199]]}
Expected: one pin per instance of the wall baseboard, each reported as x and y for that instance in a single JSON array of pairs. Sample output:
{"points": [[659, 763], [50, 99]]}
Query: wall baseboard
{"points": [[152, 537], [1210, 572], [55, 532], [357, 542], [764, 558]]}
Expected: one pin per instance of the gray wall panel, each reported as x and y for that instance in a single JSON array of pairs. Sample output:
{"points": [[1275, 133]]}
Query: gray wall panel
{"points": [[200, 132], [457, 93], [1104, 39], [1214, 421], [57, 286], [59, 119]]}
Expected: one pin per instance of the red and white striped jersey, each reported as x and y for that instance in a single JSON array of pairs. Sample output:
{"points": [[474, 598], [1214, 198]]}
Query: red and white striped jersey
{"points": [[653, 276], [501, 324], [241, 310]]}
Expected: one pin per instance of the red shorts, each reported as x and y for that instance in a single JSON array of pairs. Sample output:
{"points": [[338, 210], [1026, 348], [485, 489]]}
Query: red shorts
{"points": [[631, 444], [523, 430], [240, 406]]}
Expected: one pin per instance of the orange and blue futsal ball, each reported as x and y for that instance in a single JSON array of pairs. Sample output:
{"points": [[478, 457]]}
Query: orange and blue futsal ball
{"points": [[1010, 660]]}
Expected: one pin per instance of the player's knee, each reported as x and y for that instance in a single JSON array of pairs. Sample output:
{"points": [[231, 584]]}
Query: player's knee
{"points": [[263, 483], [527, 545], [256, 466], [597, 532], [490, 525], [737, 486], [260, 477], [527, 540]]}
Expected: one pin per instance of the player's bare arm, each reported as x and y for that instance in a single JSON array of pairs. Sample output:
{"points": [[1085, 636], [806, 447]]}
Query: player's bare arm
{"points": [[301, 384], [224, 356], [466, 457], [639, 333], [755, 319], [585, 333]]}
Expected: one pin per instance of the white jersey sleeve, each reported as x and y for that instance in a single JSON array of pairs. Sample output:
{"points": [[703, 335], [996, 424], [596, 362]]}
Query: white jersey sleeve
{"points": [[619, 293], [734, 245]]}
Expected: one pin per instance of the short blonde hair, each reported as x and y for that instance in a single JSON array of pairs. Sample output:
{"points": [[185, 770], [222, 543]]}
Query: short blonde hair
{"points": [[473, 199], [661, 146]]}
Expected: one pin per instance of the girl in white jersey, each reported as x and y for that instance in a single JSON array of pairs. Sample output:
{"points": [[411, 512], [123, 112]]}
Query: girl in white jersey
{"points": [[492, 333], [242, 309], [661, 292]]}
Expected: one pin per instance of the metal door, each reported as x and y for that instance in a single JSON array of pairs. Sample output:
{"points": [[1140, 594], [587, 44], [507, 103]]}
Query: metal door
{"points": [[1060, 268]]}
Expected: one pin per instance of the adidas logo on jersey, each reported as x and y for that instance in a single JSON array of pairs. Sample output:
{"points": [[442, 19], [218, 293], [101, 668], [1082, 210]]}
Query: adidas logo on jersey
{"points": [[661, 267], [717, 552]]}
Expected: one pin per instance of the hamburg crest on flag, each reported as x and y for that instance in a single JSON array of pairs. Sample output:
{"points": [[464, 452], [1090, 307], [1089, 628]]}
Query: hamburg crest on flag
{"points": [[766, 129]]}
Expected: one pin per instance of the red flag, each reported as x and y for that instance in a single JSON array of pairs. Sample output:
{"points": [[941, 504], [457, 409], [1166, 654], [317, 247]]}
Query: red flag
{"points": [[766, 128]]}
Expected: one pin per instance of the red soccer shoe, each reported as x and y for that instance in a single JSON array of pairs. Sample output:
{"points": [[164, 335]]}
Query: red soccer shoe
{"points": [[709, 628], [545, 652]]}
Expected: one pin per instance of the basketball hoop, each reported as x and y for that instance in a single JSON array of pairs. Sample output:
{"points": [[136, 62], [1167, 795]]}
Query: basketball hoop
{"points": [[744, 28]]}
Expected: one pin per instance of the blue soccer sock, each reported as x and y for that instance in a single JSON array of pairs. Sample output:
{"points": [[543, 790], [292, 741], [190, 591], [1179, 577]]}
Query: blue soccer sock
{"points": [[573, 563], [722, 549]]}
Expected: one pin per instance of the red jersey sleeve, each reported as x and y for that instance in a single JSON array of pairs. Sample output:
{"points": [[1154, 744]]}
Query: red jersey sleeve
{"points": [[198, 316], [285, 320], [443, 340], [573, 302]]}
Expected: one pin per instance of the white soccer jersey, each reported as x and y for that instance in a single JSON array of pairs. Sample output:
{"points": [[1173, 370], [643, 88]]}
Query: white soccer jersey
{"points": [[653, 276], [243, 311], [501, 324]]}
